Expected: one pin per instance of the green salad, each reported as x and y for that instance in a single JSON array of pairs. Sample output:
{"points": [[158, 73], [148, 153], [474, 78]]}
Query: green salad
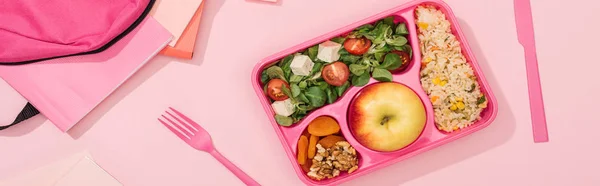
{"points": [[319, 75]]}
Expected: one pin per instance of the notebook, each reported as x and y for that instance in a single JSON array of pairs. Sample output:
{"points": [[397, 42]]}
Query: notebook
{"points": [[185, 29], [174, 15], [66, 89]]}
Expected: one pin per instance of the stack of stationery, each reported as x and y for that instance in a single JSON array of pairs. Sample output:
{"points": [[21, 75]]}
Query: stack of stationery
{"points": [[66, 89], [182, 19]]}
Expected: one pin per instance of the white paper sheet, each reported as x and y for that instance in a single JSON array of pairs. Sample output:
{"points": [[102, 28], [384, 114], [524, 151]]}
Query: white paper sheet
{"points": [[76, 170]]}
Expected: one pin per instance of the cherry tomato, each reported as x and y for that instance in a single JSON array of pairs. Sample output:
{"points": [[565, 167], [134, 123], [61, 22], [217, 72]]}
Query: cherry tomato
{"points": [[357, 46], [404, 58], [274, 89], [336, 73]]}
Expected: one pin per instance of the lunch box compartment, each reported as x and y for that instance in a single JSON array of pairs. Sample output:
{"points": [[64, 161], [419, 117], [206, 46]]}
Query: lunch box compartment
{"points": [[488, 114], [340, 118]]}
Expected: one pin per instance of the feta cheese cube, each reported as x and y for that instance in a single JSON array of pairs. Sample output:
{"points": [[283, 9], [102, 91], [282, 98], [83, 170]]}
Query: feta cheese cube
{"points": [[328, 51], [284, 108], [301, 65]]}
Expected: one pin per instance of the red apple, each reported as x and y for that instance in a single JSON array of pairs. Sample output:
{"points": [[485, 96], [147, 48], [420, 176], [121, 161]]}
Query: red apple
{"points": [[386, 116]]}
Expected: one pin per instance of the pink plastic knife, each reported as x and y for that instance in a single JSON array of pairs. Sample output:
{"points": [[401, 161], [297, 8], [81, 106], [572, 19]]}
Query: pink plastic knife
{"points": [[525, 34]]}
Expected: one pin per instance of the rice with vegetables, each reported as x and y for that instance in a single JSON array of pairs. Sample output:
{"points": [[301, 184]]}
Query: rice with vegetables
{"points": [[445, 75]]}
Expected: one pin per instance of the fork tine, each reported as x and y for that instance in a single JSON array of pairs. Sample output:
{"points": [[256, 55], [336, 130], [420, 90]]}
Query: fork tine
{"points": [[190, 121], [192, 129], [183, 137], [178, 126]]}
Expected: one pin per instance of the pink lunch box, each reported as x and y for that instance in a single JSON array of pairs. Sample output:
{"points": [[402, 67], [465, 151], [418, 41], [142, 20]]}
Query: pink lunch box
{"points": [[370, 160]]}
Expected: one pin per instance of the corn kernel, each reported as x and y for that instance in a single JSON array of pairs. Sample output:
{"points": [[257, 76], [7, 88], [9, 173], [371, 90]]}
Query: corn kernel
{"points": [[455, 128], [483, 105], [436, 81], [453, 107], [443, 82], [428, 59], [460, 105], [434, 98], [423, 25], [459, 99]]}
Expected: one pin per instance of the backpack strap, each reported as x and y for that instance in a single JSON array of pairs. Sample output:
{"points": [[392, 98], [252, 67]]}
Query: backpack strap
{"points": [[28, 111]]}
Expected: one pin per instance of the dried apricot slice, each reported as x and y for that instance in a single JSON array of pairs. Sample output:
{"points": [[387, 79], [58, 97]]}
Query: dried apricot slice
{"points": [[312, 146], [329, 141], [306, 166], [302, 149], [305, 133], [323, 126]]}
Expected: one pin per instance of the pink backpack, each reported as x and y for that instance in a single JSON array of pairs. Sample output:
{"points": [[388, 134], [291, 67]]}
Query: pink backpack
{"points": [[37, 30]]}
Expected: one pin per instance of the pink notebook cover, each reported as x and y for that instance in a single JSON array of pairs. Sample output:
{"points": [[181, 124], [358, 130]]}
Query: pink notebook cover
{"points": [[65, 90]]}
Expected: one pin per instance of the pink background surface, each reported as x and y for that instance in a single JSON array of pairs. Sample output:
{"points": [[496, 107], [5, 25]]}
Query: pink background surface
{"points": [[214, 88]]}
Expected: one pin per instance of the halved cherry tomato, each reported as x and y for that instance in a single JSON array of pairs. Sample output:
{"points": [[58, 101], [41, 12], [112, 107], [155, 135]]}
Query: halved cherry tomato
{"points": [[274, 89], [404, 58], [357, 46], [336, 73]]}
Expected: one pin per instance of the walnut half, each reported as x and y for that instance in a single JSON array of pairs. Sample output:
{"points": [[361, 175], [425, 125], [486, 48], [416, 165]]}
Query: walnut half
{"points": [[328, 163], [345, 158]]}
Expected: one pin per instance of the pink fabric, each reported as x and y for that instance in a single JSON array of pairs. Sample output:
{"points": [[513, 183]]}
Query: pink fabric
{"points": [[38, 29]]}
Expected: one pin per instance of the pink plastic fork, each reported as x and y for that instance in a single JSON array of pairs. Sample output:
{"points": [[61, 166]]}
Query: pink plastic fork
{"points": [[195, 136]]}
